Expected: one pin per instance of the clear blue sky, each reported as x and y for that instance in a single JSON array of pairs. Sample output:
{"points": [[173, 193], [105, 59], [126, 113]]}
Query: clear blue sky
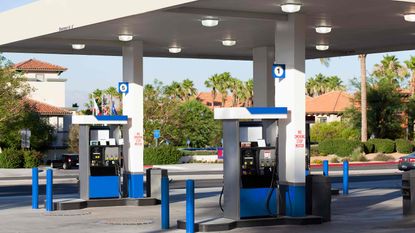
{"points": [[86, 73]]}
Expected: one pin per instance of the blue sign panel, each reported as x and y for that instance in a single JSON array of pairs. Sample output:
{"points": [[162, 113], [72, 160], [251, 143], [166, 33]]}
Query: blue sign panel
{"points": [[278, 71], [156, 133], [123, 87]]}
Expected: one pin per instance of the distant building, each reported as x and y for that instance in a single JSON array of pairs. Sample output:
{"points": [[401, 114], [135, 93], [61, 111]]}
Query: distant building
{"points": [[206, 99], [45, 79], [48, 96], [328, 107]]}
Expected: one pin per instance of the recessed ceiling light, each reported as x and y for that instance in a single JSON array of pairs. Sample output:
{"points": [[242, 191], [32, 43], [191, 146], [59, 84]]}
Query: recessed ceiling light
{"points": [[125, 37], [322, 47], [291, 7], [228, 42], [210, 22], [323, 29], [409, 17], [78, 46], [175, 49]]}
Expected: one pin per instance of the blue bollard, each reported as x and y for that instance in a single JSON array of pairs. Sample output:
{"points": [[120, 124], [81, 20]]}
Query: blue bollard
{"points": [[325, 168], [165, 203], [35, 188], [190, 206], [345, 177], [49, 191]]}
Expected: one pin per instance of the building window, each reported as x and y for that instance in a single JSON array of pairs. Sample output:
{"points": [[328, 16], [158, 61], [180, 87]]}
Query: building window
{"points": [[40, 77], [322, 119]]}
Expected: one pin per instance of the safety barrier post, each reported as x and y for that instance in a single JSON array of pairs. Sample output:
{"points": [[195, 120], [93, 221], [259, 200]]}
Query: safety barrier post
{"points": [[190, 206], [345, 177], [35, 188], [325, 168], [49, 191], [165, 203]]}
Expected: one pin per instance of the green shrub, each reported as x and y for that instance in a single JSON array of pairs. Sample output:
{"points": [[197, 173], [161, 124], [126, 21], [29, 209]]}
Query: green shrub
{"points": [[383, 157], [334, 160], [333, 130], [339, 147], [404, 146], [32, 158], [162, 155], [314, 150], [368, 147], [358, 156], [383, 145], [11, 158], [200, 152]]}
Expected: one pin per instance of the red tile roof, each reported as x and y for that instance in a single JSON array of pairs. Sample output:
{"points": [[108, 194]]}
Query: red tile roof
{"points": [[332, 102], [45, 109], [206, 99], [36, 65]]}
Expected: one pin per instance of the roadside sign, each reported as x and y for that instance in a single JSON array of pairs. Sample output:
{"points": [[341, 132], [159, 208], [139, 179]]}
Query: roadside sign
{"points": [[156, 133], [25, 138], [123, 87], [278, 71]]}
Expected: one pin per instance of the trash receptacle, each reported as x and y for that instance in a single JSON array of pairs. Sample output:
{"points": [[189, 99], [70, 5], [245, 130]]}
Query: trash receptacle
{"points": [[153, 182], [318, 196], [408, 192]]}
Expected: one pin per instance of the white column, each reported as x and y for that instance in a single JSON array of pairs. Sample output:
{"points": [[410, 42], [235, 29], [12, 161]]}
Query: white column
{"points": [[290, 92], [133, 107], [264, 90]]}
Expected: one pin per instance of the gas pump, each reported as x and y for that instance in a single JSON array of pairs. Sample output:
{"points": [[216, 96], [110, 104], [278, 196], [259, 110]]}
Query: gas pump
{"points": [[104, 164], [250, 144], [100, 156]]}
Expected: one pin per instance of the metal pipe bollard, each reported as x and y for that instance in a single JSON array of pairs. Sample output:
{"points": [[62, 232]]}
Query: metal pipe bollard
{"points": [[325, 168], [35, 188], [165, 203], [49, 191], [190, 206], [345, 177]]}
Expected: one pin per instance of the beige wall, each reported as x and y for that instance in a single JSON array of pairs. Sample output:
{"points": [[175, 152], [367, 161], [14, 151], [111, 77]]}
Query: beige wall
{"points": [[327, 117]]}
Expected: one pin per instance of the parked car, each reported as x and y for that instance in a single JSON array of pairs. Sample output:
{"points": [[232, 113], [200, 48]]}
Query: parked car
{"points": [[407, 162], [68, 161]]}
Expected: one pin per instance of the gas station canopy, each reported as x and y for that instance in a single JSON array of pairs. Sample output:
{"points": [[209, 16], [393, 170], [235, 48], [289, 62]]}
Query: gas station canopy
{"points": [[50, 26]]}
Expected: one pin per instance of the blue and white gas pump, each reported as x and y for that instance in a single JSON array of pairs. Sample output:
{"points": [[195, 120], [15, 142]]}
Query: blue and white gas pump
{"points": [[250, 148]]}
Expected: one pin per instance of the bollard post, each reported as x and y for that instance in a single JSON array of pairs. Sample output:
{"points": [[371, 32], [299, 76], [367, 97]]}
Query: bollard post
{"points": [[35, 188], [345, 177], [325, 168], [49, 191], [165, 203], [190, 206]]}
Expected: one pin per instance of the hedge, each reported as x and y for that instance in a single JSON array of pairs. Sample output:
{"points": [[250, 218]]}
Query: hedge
{"points": [[14, 158], [162, 155], [383, 145], [404, 146], [11, 158], [368, 147], [339, 147], [32, 158]]}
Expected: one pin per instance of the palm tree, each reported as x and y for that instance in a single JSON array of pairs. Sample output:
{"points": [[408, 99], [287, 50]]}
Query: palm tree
{"points": [[236, 88], [174, 91], [213, 83], [391, 69], [224, 84], [249, 90], [188, 89], [410, 64], [321, 84], [363, 97]]}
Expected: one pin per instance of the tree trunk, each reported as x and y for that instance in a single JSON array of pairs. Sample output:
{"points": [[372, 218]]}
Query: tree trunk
{"points": [[363, 100]]}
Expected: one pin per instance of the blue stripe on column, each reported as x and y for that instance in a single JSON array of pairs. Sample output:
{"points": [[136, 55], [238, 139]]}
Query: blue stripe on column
{"points": [[112, 118], [270, 110], [293, 200], [135, 185]]}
